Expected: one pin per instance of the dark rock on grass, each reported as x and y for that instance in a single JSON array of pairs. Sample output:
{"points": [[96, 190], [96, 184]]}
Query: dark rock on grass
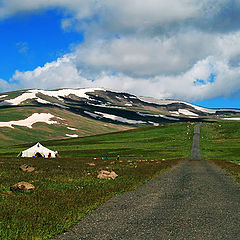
{"points": [[26, 168], [22, 187], [103, 174]]}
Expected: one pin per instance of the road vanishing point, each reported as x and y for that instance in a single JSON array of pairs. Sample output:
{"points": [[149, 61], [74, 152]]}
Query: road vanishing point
{"points": [[193, 200]]}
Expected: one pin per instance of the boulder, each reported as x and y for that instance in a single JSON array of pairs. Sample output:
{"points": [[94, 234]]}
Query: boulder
{"points": [[103, 174], [91, 164], [22, 187], [26, 168]]}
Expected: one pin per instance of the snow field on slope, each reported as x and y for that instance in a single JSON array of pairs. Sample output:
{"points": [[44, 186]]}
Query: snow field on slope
{"points": [[113, 117], [167, 102], [31, 94], [159, 115], [234, 119], [28, 122], [187, 113], [55, 104]]}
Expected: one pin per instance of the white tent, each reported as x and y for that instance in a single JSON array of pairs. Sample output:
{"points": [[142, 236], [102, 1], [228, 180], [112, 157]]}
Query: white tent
{"points": [[38, 151]]}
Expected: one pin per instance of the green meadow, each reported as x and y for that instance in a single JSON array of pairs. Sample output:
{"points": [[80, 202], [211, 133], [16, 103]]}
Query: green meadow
{"points": [[67, 188], [220, 143]]}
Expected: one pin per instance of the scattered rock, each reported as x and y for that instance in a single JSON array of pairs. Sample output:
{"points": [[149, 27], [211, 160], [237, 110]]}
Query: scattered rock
{"points": [[103, 174], [91, 164], [22, 187], [26, 168]]}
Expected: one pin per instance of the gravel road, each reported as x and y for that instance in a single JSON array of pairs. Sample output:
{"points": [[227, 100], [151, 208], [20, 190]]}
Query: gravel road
{"points": [[194, 200]]}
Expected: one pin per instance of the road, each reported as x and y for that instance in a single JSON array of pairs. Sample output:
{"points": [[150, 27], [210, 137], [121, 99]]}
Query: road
{"points": [[194, 200]]}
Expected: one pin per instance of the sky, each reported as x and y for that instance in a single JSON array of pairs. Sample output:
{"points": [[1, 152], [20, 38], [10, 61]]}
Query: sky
{"points": [[176, 49]]}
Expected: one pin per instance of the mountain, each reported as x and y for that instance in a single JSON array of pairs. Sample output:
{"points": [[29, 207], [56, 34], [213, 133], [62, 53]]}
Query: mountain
{"points": [[34, 115]]}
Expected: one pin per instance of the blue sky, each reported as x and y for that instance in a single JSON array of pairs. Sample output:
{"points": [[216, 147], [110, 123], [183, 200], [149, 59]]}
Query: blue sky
{"points": [[190, 51], [31, 40]]}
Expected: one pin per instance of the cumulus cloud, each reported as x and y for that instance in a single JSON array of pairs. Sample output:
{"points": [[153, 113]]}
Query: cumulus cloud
{"points": [[146, 56], [185, 49], [64, 72], [52, 75]]}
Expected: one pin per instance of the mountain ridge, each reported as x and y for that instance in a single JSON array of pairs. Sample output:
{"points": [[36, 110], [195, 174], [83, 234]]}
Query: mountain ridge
{"points": [[99, 110]]}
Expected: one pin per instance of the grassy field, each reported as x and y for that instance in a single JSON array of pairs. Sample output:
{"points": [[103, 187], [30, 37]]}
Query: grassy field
{"points": [[220, 142], [67, 188]]}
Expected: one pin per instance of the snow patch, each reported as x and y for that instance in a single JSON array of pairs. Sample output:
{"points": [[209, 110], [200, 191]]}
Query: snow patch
{"points": [[174, 112], [55, 104], [167, 102], [234, 119], [72, 135], [229, 110], [66, 92], [147, 115], [128, 104], [169, 118], [28, 122], [42, 101], [2, 96], [162, 116], [119, 119], [31, 94], [153, 123], [72, 129], [92, 114], [202, 109], [187, 112]]}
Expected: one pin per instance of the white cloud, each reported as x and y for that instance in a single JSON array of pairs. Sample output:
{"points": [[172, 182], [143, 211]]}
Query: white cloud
{"points": [[64, 73], [52, 75], [146, 56]]}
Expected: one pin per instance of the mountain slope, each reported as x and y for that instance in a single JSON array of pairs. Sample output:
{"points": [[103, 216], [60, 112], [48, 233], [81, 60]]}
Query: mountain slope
{"points": [[34, 115]]}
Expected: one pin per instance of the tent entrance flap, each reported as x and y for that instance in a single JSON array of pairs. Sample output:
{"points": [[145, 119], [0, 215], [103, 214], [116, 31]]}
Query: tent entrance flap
{"points": [[38, 155]]}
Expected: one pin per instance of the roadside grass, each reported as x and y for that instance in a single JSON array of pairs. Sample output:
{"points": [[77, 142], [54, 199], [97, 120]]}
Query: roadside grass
{"points": [[220, 142], [67, 188]]}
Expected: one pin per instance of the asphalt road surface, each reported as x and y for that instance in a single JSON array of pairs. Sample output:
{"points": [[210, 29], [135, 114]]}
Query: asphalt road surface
{"points": [[194, 200]]}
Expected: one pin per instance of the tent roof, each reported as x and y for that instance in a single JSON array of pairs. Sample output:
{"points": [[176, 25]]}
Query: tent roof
{"points": [[38, 147]]}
